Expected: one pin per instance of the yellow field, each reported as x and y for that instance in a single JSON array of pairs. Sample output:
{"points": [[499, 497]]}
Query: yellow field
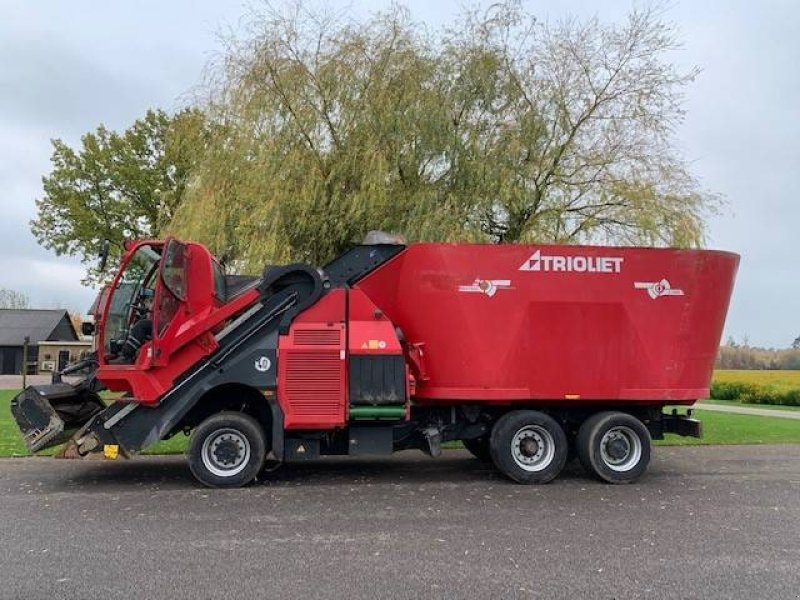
{"points": [[777, 380]]}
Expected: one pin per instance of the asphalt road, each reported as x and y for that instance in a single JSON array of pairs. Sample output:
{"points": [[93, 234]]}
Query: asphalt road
{"points": [[706, 522]]}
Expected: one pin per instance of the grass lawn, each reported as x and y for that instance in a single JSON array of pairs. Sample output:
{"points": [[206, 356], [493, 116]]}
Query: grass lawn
{"points": [[725, 428], [720, 428]]}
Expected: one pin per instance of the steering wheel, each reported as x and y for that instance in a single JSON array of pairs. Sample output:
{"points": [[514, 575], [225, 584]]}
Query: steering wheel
{"points": [[138, 308]]}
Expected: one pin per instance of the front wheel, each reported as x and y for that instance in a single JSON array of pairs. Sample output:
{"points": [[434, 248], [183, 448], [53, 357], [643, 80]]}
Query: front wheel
{"points": [[227, 450], [528, 446], [614, 447]]}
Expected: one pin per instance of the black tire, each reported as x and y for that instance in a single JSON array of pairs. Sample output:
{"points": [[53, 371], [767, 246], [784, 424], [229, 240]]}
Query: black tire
{"points": [[614, 447], [528, 446], [227, 450], [479, 448]]}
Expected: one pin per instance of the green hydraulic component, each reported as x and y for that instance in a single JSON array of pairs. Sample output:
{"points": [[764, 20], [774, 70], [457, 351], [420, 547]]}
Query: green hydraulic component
{"points": [[377, 413]]}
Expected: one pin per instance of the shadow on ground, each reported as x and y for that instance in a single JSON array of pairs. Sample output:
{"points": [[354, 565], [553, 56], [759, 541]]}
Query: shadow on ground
{"points": [[455, 467]]}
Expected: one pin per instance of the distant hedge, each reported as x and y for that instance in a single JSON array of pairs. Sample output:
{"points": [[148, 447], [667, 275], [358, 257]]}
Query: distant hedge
{"points": [[751, 393]]}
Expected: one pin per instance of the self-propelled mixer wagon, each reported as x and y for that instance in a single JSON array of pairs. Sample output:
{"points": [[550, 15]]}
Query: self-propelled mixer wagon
{"points": [[527, 354]]}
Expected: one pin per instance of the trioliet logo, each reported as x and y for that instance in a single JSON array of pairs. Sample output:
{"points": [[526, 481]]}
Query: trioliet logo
{"points": [[488, 287], [572, 264], [657, 289]]}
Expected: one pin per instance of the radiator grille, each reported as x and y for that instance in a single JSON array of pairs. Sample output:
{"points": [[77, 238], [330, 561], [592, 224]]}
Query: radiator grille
{"points": [[313, 382]]}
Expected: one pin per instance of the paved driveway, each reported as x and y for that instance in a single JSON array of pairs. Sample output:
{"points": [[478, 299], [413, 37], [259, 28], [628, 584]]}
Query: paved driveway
{"points": [[707, 522]]}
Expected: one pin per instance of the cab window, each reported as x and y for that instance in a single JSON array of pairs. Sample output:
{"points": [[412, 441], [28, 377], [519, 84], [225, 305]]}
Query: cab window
{"points": [[128, 299], [173, 269], [174, 280]]}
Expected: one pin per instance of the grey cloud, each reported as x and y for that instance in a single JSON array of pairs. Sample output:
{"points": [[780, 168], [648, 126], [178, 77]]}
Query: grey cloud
{"points": [[48, 85]]}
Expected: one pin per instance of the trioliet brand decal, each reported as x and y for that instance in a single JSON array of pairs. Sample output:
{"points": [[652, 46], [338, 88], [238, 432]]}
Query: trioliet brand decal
{"points": [[487, 287], [656, 289], [572, 263]]}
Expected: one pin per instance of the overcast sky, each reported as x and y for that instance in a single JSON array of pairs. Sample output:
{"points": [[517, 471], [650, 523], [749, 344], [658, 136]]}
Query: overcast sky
{"points": [[65, 67]]}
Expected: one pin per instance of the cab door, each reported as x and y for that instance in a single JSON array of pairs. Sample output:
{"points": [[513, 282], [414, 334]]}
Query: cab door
{"points": [[171, 296]]}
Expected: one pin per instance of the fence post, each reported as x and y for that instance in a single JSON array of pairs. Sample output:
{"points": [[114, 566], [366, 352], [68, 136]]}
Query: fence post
{"points": [[25, 343]]}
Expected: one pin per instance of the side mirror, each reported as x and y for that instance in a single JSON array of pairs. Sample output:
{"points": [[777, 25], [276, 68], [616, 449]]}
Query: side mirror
{"points": [[87, 328]]}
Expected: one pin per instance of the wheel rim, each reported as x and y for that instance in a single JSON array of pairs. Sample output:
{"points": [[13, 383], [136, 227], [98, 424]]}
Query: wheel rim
{"points": [[621, 449], [533, 448], [226, 452]]}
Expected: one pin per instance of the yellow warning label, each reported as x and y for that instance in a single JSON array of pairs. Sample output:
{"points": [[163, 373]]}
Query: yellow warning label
{"points": [[111, 451], [373, 344]]}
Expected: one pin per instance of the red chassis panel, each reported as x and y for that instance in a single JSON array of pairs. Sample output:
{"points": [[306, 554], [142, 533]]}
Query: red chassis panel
{"points": [[558, 323], [312, 374]]}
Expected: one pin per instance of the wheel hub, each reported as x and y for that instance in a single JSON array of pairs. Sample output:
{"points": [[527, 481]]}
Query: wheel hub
{"points": [[529, 447], [618, 448], [227, 451], [533, 448], [621, 449]]}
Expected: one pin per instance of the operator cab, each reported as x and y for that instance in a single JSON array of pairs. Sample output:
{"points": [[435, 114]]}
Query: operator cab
{"points": [[143, 300]]}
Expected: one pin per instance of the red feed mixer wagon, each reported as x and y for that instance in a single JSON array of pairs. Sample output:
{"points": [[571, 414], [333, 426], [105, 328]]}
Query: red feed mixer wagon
{"points": [[527, 354]]}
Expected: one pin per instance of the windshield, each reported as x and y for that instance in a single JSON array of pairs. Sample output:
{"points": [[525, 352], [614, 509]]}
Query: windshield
{"points": [[134, 288]]}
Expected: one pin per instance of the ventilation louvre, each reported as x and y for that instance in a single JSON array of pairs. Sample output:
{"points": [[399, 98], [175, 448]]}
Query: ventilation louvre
{"points": [[318, 337], [313, 384]]}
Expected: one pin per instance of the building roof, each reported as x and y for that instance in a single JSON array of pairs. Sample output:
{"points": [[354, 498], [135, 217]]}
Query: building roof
{"points": [[38, 325]]}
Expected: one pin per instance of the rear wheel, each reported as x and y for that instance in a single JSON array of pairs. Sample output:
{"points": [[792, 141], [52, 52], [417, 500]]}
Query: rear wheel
{"points": [[479, 448], [227, 450], [528, 446], [614, 447]]}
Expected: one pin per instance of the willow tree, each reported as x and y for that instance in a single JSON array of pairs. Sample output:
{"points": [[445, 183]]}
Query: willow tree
{"points": [[498, 129]]}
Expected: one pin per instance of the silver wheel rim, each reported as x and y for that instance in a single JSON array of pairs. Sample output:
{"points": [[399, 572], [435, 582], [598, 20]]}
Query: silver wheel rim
{"points": [[533, 448], [621, 449], [226, 452]]}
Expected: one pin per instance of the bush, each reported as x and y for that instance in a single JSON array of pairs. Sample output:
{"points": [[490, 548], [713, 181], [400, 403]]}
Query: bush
{"points": [[750, 393], [732, 390], [768, 396]]}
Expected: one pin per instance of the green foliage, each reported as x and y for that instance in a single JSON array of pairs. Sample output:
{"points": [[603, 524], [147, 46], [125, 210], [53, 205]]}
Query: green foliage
{"points": [[771, 396], [117, 186], [499, 128], [731, 390]]}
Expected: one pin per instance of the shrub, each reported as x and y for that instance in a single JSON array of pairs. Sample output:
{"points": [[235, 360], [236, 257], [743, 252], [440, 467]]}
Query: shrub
{"points": [[732, 390], [766, 395], [751, 393]]}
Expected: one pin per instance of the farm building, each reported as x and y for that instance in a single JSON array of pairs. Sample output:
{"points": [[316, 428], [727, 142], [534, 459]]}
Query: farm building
{"points": [[52, 340]]}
